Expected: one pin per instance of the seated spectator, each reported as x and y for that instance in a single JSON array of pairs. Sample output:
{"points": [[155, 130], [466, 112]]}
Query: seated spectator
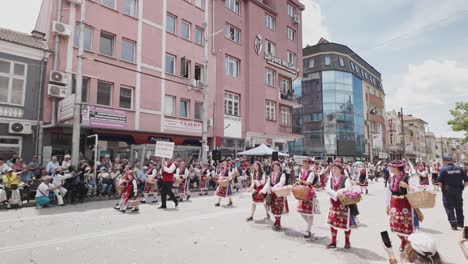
{"points": [[77, 186], [90, 181], [52, 165], [421, 249], [34, 168], [43, 190], [105, 182], [66, 161], [11, 182], [3, 166], [17, 165], [43, 173]]}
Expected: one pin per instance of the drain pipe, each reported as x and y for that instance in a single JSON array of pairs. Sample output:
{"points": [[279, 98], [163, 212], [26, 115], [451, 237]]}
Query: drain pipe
{"points": [[39, 130]]}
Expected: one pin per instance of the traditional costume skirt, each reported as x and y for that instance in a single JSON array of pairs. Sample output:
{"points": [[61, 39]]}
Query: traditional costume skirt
{"points": [[434, 178], [339, 216], [204, 183], [257, 197], [424, 180], [401, 216], [183, 186], [224, 191], [279, 205], [149, 188], [127, 193], [308, 208], [364, 183]]}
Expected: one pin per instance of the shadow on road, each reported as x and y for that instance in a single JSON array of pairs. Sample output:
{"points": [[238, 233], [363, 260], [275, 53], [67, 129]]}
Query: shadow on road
{"points": [[81, 207], [362, 253], [430, 231]]}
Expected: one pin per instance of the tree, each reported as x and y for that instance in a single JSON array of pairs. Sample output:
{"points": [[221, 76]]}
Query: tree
{"points": [[460, 121]]}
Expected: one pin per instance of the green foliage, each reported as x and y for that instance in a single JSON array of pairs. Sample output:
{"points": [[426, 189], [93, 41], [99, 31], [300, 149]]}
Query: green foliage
{"points": [[460, 121]]}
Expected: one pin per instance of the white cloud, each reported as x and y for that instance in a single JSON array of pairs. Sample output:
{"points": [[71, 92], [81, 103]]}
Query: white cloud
{"points": [[429, 91], [313, 27], [19, 15]]}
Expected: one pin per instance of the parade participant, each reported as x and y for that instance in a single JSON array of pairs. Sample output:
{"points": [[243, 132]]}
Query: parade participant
{"points": [[167, 172], [151, 185], [225, 172], [258, 182], [130, 190], [398, 207], [307, 209], [339, 215], [363, 181], [182, 174], [205, 178], [414, 184], [423, 174], [453, 180], [278, 205], [435, 169]]}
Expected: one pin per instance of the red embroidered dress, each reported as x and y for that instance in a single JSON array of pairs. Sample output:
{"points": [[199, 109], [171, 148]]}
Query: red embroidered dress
{"points": [[306, 208], [339, 216], [400, 212], [224, 191], [279, 205], [258, 182]]}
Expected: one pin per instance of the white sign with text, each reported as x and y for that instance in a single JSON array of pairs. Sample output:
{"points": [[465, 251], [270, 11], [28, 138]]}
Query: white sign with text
{"points": [[164, 149]]}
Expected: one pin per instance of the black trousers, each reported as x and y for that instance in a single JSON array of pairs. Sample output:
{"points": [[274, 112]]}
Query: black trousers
{"points": [[453, 204], [166, 189]]}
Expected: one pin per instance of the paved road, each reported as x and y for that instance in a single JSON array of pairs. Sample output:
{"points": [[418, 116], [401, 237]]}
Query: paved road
{"points": [[198, 232]]}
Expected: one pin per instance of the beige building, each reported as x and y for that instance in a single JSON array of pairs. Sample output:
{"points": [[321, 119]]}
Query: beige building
{"points": [[415, 138], [431, 151], [451, 146], [393, 135]]}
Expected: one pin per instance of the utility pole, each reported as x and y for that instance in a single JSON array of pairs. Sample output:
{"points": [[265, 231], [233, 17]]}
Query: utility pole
{"points": [[79, 88], [205, 89], [403, 135]]}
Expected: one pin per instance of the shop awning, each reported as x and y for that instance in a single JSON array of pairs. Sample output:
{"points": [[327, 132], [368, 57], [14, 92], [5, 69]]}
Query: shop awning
{"points": [[262, 150]]}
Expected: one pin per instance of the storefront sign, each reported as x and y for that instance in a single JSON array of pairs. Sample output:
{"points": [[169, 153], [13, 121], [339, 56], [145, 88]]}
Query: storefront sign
{"points": [[377, 141], [164, 149], [382, 155], [182, 125], [93, 116], [152, 139], [232, 126], [65, 109], [279, 62]]}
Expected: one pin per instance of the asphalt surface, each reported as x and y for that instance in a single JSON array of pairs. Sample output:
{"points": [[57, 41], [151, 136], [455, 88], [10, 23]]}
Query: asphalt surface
{"points": [[198, 232]]}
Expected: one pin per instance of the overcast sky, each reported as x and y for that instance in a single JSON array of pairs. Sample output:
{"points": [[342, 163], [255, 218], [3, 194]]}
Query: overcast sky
{"points": [[419, 46]]}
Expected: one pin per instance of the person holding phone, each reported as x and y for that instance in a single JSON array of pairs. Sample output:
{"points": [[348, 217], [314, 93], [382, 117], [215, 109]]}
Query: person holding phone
{"points": [[398, 207]]}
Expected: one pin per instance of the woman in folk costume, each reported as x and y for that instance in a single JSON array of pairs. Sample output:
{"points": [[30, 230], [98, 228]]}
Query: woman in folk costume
{"points": [[258, 182], [225, 172], [151, 186], [339, 215], [130, 190], [205, 178], [182, 174], [414, 184], [309, 208], [278, 205], [363, 180], [423, 174], [435, 169], [398, 207]]}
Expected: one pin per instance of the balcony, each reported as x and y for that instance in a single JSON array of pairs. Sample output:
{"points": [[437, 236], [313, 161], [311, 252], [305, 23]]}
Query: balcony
{"points": [[288, 97]]}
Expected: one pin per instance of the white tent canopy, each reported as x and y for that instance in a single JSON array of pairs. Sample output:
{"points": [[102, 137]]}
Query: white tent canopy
{"points": [[262, 150]]}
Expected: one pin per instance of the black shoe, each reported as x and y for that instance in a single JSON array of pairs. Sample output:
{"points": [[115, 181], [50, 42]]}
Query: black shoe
{"points": [[162, 207], [308, 235], [134, 210], [176, 203], [454, 228], [217, 204], [142, 201], [249, 219], [122, 211], [461, 226], [229, 204], [188, 197], [331, 245]]}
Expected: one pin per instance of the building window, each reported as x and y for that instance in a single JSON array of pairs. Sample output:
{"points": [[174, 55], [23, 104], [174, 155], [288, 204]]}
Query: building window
{"points": [[185, 67], [291, 58], [10, 145], [104, 93], [130, 8], [270, 110], [270, 76], [311, 63], [233, 5], [84, 90], [353, 66], [270, 48], [170, 64], [366, 75], [107, 44], [285, 116], [231, 66], [125, 100], [291, 34], [341, 62], [199, 36], [231, 104], [184, 108], [200, 4], [198, 110], [88, 36], [291, 10], [109, 3], [232, 33], [270, 22], [198, 72], [169, 105], [316, 117], [285, 85], [185, 30], [12, 82], [171, 24], [327, 60], [128, 50]]}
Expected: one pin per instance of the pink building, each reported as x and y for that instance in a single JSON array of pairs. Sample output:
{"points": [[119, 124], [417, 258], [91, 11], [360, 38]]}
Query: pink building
{"points": [[143, 69]]}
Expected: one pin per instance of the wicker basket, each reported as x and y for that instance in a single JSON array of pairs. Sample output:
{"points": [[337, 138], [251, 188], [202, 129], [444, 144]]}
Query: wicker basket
{"points": [[282, 191], [346, 200], [179, 181], [223, 183], [303, 193], [421, 199]]}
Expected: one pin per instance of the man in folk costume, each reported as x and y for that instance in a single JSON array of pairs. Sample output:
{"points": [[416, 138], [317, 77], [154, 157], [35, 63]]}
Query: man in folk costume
{"points": [[181, 175], [151, 185], [167, 172], [398, 207], [258, 182], [278, 205], [339, 215], [225, 173], [309, 208], [205, 178], [130, 190], [423, 174]]}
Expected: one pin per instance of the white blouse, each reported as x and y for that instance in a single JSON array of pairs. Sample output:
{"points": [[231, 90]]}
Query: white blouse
{"points": [[267, 188], [332, 192]]}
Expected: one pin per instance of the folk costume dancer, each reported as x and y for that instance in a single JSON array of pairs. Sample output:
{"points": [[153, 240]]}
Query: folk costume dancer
{"points": [[130, 190], [182, 174], [205, 177], [339, 215], [224, 173], [414, 183], [151, 185], [258, 182], [167, 172], [309, 208], [423, 174], [279, 205], [398, 207], [363, 180], [435, 169]]}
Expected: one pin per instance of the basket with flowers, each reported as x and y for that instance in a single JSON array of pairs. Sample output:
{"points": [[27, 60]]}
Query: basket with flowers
{"points": [[347, 197]]}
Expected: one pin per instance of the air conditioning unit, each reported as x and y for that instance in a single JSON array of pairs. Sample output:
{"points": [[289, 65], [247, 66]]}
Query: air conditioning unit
{"points": [[57, 91], [61, 28], [76, 2], [210, 122], [58, 77], [19, 127], [296, 19], [197, 83]]}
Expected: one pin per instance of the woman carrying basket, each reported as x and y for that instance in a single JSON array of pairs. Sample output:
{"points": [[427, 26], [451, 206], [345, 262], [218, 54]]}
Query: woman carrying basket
{"points": [[205, 178], [258, 182], [307, 209], [225, 173], [181, 176], [339, 215], [398, 207]]}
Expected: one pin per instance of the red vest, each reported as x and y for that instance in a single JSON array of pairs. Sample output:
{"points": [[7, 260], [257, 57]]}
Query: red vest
{"points": [[168, 177]]}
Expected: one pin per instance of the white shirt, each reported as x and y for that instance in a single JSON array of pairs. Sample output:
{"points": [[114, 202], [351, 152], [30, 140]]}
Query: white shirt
{"points": [[58, 178], [267, 188], [256, 182], [183, 174], [332, 192], [42, 190], [66, 164]]}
